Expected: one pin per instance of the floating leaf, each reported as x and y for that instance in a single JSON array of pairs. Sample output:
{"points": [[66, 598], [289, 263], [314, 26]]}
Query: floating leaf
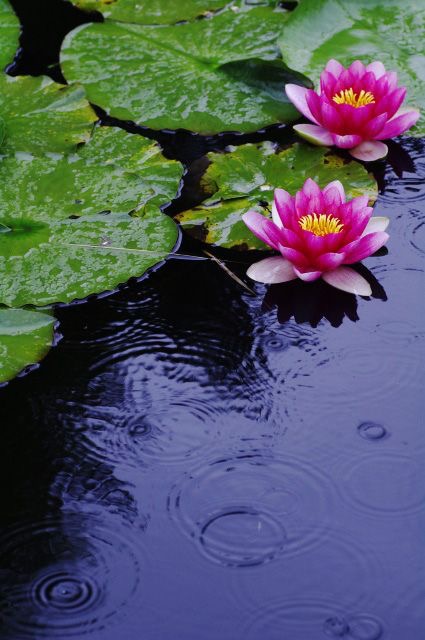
{"points": [[386, 30], [148, 12], [115, 171], [216, 74], [71, 259], [245, 178], [9, 33], [41, 115], [25, 338]]}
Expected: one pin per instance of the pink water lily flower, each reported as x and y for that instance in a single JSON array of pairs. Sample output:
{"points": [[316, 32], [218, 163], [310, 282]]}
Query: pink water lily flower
{"points": [[317, 233], [354, 109]]}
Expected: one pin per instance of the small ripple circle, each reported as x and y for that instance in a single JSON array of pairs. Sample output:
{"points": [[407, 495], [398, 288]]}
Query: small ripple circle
{"points": [[65, 591], [372, 431]]}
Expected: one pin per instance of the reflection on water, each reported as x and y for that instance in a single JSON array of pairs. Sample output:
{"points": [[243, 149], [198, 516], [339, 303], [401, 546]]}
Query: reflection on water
{"points": [[195, 462]]}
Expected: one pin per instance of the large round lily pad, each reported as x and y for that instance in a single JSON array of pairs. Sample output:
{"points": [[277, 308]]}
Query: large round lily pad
{"points": [[386, 30], [25, 338], [216, 74], [9, 33], [245, 178], [148, 12], [46, 262], [115, 171], [41, 115]]}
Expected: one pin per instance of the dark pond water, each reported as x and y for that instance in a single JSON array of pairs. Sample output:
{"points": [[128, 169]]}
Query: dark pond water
{"points": [[195, 462]]}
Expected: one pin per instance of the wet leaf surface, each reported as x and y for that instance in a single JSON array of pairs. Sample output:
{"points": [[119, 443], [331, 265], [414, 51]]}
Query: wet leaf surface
{"points": [[9, 33], [148, 12], [25, 338], [216, 74], [62, 261], [115, 171], [41, 115]]}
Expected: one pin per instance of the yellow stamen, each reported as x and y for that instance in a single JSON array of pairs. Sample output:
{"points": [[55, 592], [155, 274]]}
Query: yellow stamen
{"points": [[320, 225], [347, 96]]}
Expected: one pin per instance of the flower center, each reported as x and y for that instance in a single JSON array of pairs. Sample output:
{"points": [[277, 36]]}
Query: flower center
{"points": [[320, 225], [347, 96]]}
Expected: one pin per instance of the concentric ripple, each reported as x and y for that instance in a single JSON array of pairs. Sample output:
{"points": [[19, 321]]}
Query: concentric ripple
{"points": [[383, 484], [247, 509], [66, 578], [260, 536], [64, 591], [312, 619], [171, 434]]}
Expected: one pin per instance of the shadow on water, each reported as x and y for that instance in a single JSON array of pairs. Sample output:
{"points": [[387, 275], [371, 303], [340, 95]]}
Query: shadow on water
{"points": [[192, 461], [318, 301]]}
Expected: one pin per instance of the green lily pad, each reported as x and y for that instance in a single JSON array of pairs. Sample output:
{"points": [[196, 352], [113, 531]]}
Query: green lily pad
{"points": [[115, 171], [41, 115], [245, 178], [148, 12], [71, 259], [162, 11], [9, 33], [386, 30], [25, 338], [216, 74]]}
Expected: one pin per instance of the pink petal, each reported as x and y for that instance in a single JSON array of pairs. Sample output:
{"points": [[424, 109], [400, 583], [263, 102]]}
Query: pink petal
{"points": [[355, 119], [334, 67], [348, 280], [310, 188], [314, 134], [357, 69], [369, 151], [329, 261], [344, 81], [276, 217], [333, 194], [312, 192], [356, 227], [301, 203], [297, 95], [330, 117], [262, 227], [291, 239], [381, 87], [403, 120], [346, 142], [297, 258], [307, 276], [327, 83], [314, 245], [285, 205], [391, 102], [272, 271], [374, 126], [377, 223], [351, 211], [377, 68], [314, 103], [365, 247], [392, 80], [368, 82]]}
